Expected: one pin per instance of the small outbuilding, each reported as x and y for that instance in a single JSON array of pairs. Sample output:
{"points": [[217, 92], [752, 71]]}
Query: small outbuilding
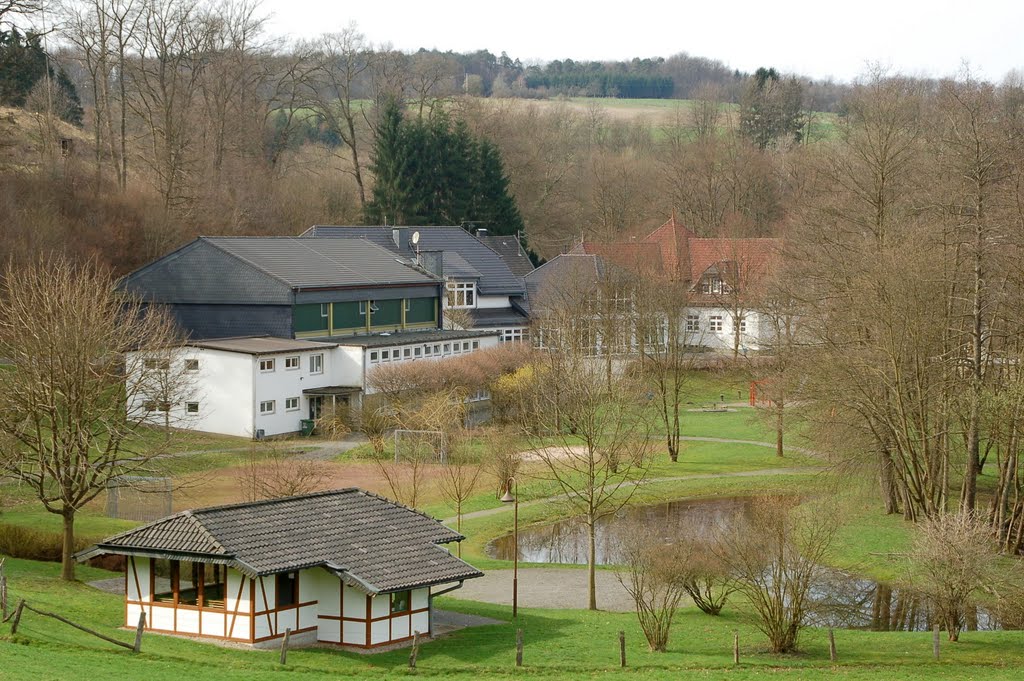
{"points": [[345, 567]]}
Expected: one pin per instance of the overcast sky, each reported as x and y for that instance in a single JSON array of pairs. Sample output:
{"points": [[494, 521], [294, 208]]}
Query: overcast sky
{"points": [[818, 39]]}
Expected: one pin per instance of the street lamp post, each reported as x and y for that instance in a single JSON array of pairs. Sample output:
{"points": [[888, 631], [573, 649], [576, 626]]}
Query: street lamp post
{"points": [[509, 497]]}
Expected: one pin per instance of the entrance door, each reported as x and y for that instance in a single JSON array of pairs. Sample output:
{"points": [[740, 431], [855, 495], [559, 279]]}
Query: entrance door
{"points": [[316, 407]]}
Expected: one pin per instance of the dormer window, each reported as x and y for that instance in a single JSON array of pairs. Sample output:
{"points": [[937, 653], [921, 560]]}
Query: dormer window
{"points": [[461, 294], [713, 285]]}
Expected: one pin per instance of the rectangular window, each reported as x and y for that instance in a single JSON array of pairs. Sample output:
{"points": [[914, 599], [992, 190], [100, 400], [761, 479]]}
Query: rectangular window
{"points": [[447, 348], [191, 365], [316, 364], [715, 323], [267, 365], [267, 407], [417, 351], [476, 345], [325, 310], [465, 346], [291, 404], [692, 322], [214, 579], [291, 363], [385, 355], [156, 364], [286, 589], [406, 353], [188, 583], [427, 350], [408, 305], [156, 405], [401, 602], [362, 307], [437, 349], [461, 294], [374, 357], [511, 335], [743, 326], [191, 407], [164, 574]]}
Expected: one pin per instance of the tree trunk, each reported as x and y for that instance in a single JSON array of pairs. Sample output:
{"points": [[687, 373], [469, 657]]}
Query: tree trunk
{"points": [[67, 562], [779, 429], [591, 562], [892, 504]]}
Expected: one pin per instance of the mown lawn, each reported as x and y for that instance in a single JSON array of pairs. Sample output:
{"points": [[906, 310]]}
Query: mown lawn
{"points": [[559, 644]]}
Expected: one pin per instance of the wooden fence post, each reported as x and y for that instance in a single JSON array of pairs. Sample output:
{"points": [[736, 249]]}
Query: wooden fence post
{"points": [[284, 645], [831, 644], [519, 647], [622, 648], [17, 617], [3, 595], [935, 641], [138, 632], [735, 647], [415, 649]]}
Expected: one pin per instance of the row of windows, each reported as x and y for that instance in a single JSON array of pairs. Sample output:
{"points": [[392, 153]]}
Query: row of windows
{"points": [[422, 351], [316, 364], [270, 406], [513, 335], [165, 364], [716, 323]]}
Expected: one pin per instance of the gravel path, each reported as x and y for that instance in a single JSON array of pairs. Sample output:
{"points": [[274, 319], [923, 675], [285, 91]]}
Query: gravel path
{"points": [[546, 588]]}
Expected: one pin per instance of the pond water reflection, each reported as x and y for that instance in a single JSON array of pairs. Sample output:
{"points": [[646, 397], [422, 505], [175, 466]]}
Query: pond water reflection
{"points": [[839, 600]]}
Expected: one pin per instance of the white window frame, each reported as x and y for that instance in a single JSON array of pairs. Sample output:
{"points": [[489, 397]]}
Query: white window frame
{"points": [[716, 323], [374, 356], [743, 325], [325, 310], [461, 294], [292, 363], [512, 335], [406, 353], [289, 401], [267, 365], [192, 365], [316, 363], [189, 408], [264, 411], [362, 307], [693, 323]]}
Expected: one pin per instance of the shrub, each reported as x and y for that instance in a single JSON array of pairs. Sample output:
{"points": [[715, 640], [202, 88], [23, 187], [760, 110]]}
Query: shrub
{"points": [[18, 541]]}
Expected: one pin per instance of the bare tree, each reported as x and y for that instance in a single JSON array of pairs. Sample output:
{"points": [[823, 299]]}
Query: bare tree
{"points": [[953, 559], [772, 559], [341, 60], [459, 477], [271, 472], [650, 572], [602, 449], [9, 9], [67, 415]]}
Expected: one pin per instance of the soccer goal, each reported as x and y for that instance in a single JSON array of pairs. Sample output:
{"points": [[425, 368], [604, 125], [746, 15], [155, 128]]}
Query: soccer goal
{"points": [[134, 497], [421, 445]]}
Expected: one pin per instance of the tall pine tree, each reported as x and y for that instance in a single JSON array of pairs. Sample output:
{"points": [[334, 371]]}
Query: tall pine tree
{"points": [[435, 172]]}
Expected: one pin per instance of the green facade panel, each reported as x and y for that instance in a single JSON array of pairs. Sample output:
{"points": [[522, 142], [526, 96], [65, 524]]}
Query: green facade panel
{"points": [[347, 315], [421, 310], [389, 313], [308, 318]]}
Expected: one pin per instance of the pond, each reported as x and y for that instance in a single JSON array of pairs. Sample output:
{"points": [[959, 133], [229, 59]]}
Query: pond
{"points": [[839, 600]]}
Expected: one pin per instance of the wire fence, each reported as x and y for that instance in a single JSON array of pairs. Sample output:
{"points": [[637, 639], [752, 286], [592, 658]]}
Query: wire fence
{"points": [[139, 498]]}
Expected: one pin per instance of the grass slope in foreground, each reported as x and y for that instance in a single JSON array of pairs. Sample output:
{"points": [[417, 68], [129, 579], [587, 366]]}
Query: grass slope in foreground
{"points": [[560, 644]]}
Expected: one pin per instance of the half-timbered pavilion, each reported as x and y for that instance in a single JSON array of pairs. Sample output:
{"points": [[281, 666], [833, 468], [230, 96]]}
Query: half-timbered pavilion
{"points": [[343, 566]]}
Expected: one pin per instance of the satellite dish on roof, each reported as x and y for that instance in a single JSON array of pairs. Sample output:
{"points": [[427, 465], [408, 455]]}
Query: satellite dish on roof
{"points": [[415, 238]]}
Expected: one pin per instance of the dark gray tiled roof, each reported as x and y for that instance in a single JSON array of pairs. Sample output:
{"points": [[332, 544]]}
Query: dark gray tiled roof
{"points": [[409, 337], [564, 277], [501, 316], [511, 251], [313, 263], [261, 345], [371, 542], [495, 276]]}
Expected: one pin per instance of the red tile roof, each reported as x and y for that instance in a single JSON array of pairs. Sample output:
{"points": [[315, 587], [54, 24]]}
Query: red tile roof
{"points": [[676, 251]]}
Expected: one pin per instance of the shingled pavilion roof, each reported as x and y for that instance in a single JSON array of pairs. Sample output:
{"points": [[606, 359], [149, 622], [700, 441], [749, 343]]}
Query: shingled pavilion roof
{"points": [[370, 542]]}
